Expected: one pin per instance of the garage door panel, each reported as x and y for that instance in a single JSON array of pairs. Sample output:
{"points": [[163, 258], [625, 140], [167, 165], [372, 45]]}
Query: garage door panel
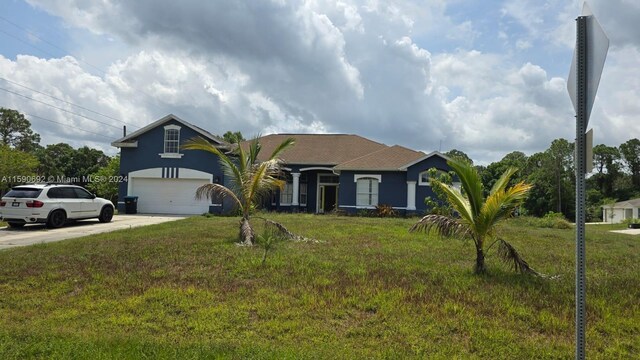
{"points": [[169, 196]]}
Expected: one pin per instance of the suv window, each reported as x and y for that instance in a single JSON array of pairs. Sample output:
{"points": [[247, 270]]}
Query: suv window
{"points": [[83, 194], [54, 193], [24, 193], [68, 193]]}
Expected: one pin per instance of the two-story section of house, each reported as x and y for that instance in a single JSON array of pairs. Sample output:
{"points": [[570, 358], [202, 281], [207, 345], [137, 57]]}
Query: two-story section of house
{"points": [[162, 175]]}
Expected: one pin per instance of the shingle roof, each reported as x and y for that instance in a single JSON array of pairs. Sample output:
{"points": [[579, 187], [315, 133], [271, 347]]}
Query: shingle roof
{"points": [[631, 203], [387, 159], [319, 149]]}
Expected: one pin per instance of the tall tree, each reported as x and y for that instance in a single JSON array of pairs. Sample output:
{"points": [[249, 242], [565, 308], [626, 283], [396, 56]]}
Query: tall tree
{"points": [[561, 161], [630, 151], [103, 183], [606, 161], [458, 155], [15, 167], [55, 160], [479, 215], [15, 131], [86, 161], [493, 171], [250, 179], [233, 137]]}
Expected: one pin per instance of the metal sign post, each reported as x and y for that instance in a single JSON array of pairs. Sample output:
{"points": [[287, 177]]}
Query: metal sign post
{"points": [[584, 77], [581, 128]]}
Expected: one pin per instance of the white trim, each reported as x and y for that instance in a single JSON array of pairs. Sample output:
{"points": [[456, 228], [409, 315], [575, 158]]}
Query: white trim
{"points": [[433, 153], [133, 144], [318, 184], [316, 168], [172, 127], [285, 169], [296, 189], [371, 207], [357, 177], [170, 117], [183, 173], [411, 195], [171, 155]]}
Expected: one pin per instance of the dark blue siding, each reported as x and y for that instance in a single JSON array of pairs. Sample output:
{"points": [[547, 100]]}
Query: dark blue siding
{"points": [[413, 174], [391, 191], [151, 144]]}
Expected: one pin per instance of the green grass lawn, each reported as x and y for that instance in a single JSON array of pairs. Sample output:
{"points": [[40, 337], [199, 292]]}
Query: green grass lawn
{"points": [[370, 290]]}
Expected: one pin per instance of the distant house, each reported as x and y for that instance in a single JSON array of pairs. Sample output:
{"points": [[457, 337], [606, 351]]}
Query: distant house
{"points": [[323, 172], [620, 211]]}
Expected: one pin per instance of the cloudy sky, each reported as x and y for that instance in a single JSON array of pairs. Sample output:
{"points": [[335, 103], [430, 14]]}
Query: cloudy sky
{"points": [[484, 77]]}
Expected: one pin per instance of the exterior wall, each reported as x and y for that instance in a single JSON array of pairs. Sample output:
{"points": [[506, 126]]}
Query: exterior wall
{"points": [[146, 156], [413, 174], [619, 214], [392, 190], [311, 178]]}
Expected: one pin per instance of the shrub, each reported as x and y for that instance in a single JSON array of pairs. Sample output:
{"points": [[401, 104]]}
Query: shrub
{"points": [[384, 210], [554, 220]]}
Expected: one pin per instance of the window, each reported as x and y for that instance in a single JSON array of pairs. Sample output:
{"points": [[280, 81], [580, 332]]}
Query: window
{"points": [[286, 194], [367, 192], [425, 176], [171, 141], [303, 194], [83, 194]]}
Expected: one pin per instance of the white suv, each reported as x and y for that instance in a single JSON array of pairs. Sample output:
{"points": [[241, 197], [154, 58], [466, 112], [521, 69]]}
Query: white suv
{"points": [[52, 204]]}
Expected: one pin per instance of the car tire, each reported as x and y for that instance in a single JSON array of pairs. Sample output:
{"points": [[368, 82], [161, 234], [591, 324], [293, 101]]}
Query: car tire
{"points": [[106, 214], [57, 219], [15, 225]]}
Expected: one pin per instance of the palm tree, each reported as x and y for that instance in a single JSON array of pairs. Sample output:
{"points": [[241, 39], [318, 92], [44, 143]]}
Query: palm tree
{"points": [[250, 179], [478, 216]]}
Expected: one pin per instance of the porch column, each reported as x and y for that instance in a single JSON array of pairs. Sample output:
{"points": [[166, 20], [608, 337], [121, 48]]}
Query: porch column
{"points": [[411, 195], [296, 189]]}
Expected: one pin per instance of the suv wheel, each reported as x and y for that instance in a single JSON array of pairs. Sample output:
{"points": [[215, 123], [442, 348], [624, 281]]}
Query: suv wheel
{"points": [[57, 219], [106, 214], [15, 225]]}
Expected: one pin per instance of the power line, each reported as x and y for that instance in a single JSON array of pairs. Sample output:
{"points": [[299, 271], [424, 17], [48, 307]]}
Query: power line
{"points": [[57, 107], [27, 43], [66, 102], [45, 41], [57, 122]]}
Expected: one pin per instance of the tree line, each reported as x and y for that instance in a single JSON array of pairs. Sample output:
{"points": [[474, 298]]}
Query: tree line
{"points": [[23, 158], [615, 177]]}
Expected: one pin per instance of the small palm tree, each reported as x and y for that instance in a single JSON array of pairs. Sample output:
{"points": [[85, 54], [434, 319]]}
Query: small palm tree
{"points": [[478, 216], [250, 179]]}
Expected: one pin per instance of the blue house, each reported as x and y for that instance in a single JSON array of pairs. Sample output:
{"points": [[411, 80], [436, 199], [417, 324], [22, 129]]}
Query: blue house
{"points": [[323, 172]]}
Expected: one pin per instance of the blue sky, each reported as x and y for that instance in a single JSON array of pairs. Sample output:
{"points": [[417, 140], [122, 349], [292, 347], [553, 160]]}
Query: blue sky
{"points": [[485, 77]]}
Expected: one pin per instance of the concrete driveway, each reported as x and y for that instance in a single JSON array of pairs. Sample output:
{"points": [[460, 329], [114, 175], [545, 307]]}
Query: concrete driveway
{"points": [[36, 234]]}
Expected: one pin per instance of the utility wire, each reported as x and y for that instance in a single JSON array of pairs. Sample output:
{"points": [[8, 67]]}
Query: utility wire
{"points": [[45, 41], [27, 43], [57, 122], [66, 102], [57, 107]]}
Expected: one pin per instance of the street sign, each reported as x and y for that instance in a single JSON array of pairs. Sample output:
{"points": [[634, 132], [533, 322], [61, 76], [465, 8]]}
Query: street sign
{"points": [[597, 47], [584, 77]]}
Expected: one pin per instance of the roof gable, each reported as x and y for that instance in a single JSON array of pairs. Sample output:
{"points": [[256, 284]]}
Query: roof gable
{"points": [[431, 154], [130, 140]]}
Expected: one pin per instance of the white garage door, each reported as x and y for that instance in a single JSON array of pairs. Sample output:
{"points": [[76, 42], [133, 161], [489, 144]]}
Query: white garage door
{"points": [[169, 196]]}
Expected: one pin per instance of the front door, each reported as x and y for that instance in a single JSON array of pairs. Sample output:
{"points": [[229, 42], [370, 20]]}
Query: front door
{"points": [[328, 198]]}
